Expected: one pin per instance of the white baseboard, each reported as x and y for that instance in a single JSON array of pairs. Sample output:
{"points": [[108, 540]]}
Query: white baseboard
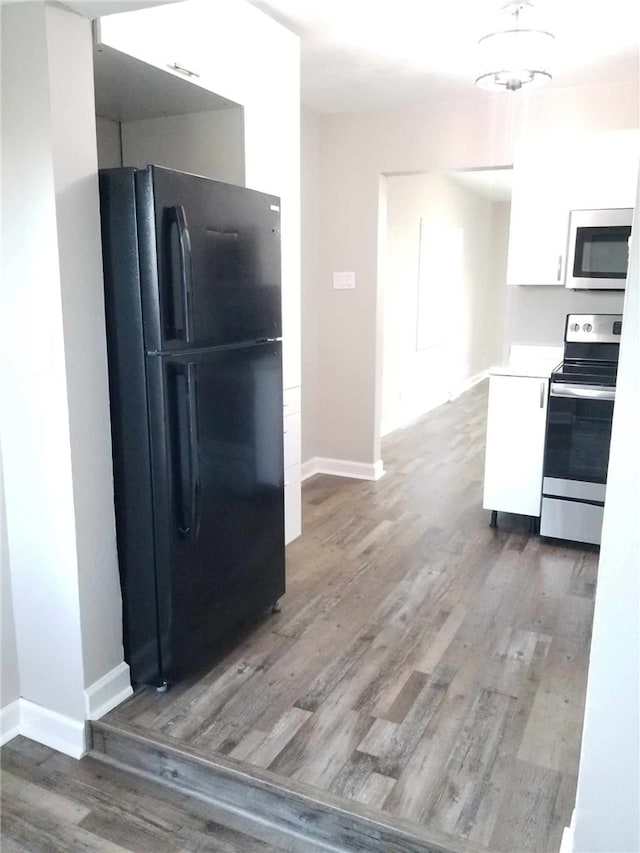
{"points": [[341, 468], [467, 384], [434, 403], [107, 692], [58, 731], [9, 721], [65, 734], [566, 845], [378, 470], [52, 729], [410, 419], [309, 468]]}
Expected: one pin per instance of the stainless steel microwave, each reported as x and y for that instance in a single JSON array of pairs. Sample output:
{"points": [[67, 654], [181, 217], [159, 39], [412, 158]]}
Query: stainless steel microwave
{"points": [[598, 252]]}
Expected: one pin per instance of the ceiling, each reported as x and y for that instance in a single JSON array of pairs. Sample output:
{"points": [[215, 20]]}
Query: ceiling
{"points": [[377, 54], [95, 8], [494, 184]]}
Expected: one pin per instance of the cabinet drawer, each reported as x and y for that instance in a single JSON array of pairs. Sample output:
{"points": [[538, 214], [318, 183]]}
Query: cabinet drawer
{"points": [[292, 503], [292, 400], [291, 439]]}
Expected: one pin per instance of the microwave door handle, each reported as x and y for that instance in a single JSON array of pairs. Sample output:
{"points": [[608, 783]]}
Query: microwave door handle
{"points": [[583, 392]]}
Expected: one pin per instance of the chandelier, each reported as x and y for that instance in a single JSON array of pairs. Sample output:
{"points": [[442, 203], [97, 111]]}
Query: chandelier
{"points": [[515, 57]]}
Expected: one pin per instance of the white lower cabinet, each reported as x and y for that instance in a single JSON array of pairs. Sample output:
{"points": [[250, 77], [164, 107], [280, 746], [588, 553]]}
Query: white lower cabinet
{"points": [[516, 425], [292, 503], [292, 447]]}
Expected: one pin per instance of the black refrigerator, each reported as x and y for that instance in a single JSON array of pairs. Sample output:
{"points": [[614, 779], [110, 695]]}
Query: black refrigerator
{"points": [[193, 312]]}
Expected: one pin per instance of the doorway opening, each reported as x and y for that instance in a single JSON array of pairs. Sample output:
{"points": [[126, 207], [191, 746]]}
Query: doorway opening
{"points": [[444, 283]]}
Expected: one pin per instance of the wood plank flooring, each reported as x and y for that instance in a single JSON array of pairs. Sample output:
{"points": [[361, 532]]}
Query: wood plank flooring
{"points": [[306, 816], [52, 803], [423, 663]]}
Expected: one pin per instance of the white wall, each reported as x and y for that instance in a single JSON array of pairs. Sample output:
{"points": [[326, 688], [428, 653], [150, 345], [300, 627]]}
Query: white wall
{"points": [[108, 138], [37, 465], [55, 412], [209, 143], [471, 288], [309, 190], [355, 149], [608, 801], [9, 672], [537, 314], [54, 415], [497, 304], [80, 252]]}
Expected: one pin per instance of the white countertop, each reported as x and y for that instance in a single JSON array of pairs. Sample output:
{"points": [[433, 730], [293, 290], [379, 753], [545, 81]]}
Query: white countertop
{"points": [[532, 361]]}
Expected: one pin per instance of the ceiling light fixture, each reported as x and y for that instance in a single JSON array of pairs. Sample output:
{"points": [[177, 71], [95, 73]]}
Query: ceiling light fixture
{"points": [[515, 57]]}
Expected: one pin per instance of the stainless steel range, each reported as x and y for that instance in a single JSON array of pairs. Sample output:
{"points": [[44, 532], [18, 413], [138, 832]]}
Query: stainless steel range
{"points": [[576, 457]]}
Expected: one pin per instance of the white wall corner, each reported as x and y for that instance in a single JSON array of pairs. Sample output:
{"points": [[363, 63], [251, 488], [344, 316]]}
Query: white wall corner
{"points": [[9, 721], [309, 468], [378, 470], [107, 692], [58, 731], [342, 468], [468, 384]]}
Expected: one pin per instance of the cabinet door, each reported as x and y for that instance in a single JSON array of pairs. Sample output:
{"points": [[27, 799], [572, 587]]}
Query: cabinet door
{"points": [[292, 448], [292, 503], [554, 176], [539, 219], [515, 444], [604, 171], [158, 36]]}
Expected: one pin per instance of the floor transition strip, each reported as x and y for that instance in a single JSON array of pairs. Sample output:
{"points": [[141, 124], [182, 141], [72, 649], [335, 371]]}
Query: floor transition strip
{"points": [[298, 810]]}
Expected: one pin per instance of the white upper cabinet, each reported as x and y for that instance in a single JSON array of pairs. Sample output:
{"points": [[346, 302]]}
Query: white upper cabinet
{"points": [[604, 171], [158, 36], [551, 177], [539, 218], [183, 39]]}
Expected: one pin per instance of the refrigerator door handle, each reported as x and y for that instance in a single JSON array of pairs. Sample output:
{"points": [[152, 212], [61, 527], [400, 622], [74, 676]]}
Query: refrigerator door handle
{"points": [[189, 454], [194, 447], [180, 323]]}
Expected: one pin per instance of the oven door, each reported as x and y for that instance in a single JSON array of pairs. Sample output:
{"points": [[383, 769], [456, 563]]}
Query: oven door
{"points": [[578, 433], [576, 459]]}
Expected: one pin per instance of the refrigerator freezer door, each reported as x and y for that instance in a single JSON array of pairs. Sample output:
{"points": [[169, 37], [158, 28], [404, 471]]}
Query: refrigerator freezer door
{"points": [[210, 261], [219, 489]]}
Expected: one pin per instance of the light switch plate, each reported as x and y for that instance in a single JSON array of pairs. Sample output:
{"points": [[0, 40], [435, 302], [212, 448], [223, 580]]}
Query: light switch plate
{"points": [[344, 281]]}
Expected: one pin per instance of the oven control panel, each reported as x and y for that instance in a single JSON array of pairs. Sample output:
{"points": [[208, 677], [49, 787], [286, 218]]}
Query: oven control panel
{"points": [[593, 328]]}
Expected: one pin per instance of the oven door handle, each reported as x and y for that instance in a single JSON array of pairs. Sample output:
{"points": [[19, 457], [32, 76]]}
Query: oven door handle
{"points": [[588, 392]]}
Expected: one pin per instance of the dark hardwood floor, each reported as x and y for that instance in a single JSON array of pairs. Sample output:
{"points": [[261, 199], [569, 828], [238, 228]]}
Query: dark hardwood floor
{"points": [[423, 663]]}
